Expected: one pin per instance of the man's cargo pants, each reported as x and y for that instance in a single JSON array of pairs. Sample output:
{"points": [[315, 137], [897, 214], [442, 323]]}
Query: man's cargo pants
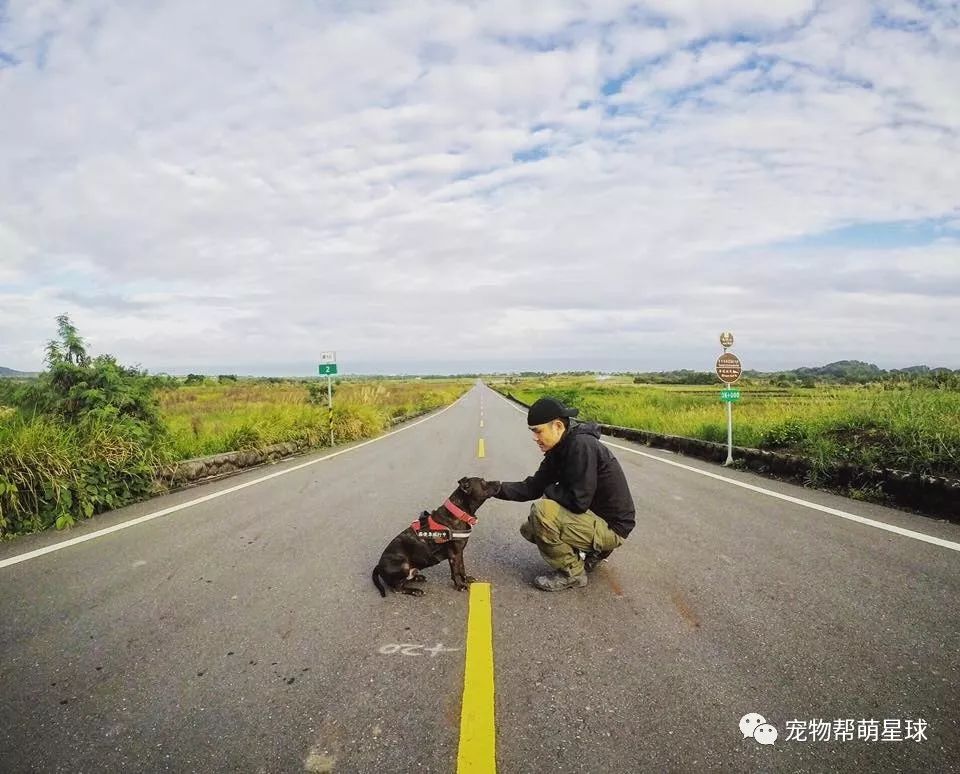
{"points": [[559, 534]]}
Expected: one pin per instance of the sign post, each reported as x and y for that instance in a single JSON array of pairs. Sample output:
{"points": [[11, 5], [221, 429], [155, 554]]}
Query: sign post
{"points": [[729, 370], [328, 366]]}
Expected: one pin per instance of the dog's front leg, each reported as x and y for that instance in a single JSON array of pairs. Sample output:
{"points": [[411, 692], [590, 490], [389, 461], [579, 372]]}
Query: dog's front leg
{"points": [[457, 570]]}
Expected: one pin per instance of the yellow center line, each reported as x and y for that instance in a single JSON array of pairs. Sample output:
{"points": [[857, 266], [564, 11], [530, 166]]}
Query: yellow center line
{"points": [[480, 451], [478, 737], [481, 423]]}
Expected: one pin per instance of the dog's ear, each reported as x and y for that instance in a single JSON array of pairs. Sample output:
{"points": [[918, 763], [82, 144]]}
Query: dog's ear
{"points": [[464, 484]]}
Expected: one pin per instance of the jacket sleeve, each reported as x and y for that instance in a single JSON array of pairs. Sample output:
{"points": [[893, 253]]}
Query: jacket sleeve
{"points": [[578, 480], [531, 487]]}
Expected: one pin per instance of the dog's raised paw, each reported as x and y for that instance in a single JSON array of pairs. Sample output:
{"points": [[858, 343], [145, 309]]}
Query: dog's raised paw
{"points": [[418, 578]]}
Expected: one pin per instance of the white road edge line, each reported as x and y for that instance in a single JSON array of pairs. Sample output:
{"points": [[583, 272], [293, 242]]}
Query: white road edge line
{"points": [[796, 500], [205, 498]]}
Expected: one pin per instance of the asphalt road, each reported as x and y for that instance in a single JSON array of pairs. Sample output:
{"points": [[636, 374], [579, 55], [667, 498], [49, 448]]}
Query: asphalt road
{"points": [[243, 633]]}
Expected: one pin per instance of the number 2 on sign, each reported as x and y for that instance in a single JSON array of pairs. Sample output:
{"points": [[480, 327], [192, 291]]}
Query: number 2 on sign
{"points": [[410, 649]]}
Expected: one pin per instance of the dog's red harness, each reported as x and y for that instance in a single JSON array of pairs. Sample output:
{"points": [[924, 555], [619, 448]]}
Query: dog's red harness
{"points": [[433, 525]]}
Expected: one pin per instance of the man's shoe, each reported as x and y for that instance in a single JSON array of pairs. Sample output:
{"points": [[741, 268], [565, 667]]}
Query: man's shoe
{"points": [[592, 560], [558, 581]]}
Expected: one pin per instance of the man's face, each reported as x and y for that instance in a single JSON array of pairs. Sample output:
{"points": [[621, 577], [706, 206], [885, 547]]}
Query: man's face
{"points": [[548, 434]]}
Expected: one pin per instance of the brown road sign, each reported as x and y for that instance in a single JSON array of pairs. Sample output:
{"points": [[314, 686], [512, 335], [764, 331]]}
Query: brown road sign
{"points": [[728, 367]]}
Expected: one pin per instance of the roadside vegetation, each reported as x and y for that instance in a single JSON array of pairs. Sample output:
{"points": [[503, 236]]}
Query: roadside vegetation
{"points": [[904, 423], [89, 435], [82, 438], [209, 417]]}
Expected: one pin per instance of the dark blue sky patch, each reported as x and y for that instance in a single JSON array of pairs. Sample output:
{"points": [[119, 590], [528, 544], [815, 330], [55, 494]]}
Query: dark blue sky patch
{"points": [[468, 174], [542, 126], [877, 235], [613, 85], [566, 38], [641, 17], [880, 18], [43, 50], [757, 62], [531, 154], [433, 52]]}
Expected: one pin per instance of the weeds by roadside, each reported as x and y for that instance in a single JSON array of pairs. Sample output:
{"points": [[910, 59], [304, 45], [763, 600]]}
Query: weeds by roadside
{"points": [[915, 429], [90, 435]]}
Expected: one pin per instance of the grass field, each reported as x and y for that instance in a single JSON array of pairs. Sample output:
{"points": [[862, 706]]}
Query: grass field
{"points": [[54, 472], [905, 428], [213, 418]]}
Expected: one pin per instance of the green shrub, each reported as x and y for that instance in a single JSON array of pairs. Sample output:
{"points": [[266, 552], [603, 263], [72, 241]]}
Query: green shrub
{"points": [[783, 435], [243, 438], [86, 437], [317, 392]]}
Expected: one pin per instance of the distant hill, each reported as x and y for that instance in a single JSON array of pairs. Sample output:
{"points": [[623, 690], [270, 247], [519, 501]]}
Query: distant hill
{"points": [[842, 372], [842, 369], [858, 371], [10, 373]]}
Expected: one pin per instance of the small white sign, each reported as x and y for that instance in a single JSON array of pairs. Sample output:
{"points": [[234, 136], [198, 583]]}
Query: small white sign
{"points": [[328, 357]]}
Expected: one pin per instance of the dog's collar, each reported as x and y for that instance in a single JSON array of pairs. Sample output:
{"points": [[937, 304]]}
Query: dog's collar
{"points": [[460, 513]]}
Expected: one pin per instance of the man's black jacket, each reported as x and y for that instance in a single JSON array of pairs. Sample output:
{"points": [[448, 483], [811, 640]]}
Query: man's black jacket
{"points": [[581, 474]]}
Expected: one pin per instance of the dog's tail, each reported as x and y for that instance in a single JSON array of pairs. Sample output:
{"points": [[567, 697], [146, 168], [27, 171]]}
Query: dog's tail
{"points": [[376, 581]]}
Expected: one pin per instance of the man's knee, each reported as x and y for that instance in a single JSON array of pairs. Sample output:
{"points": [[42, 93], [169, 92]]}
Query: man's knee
{"points": [[544, 513], [542, 523], [527, 532]]}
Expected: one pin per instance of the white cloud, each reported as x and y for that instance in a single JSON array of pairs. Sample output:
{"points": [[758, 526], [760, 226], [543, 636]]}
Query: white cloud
{"points": [[247, 184]]}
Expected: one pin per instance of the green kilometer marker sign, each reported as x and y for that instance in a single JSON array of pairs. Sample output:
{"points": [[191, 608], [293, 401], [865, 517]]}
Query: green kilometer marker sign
{"points": [[328, 367], [729, 395]]}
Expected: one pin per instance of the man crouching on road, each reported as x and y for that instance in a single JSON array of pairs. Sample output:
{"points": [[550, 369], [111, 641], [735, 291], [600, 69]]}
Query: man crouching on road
{"points": [[586, 505]]}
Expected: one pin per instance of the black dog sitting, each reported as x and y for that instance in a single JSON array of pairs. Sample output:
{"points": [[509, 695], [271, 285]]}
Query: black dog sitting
{"points": [[432, 538]]}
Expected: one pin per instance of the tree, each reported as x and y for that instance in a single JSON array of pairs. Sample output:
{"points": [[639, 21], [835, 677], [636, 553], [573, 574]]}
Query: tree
{"points": [[70, 348], [77, 388], [106, 426]]}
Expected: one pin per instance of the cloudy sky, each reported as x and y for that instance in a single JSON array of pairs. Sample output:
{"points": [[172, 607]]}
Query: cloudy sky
{"points": [[447, 186]]}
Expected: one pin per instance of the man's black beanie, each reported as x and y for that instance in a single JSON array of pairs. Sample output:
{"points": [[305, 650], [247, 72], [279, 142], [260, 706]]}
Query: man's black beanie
{"points": [[548, 409]]}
